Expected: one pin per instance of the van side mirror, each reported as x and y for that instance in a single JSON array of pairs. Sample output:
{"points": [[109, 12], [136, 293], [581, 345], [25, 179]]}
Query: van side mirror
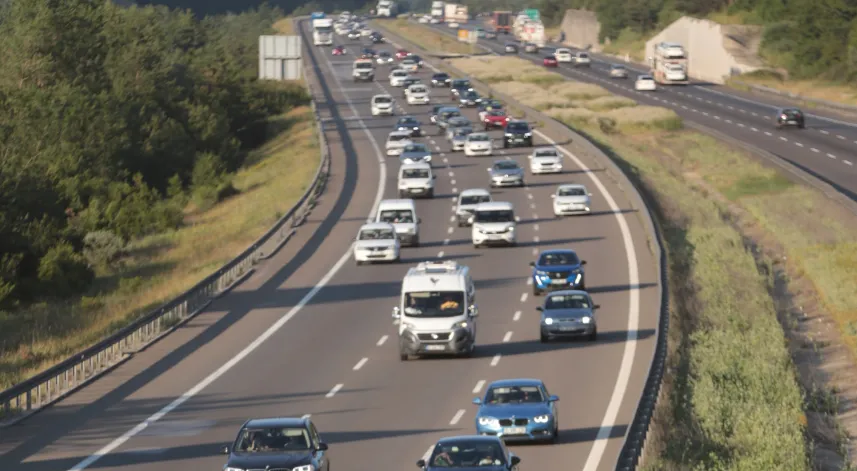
{"points": [[540, 309], [473, 311], [322, 446], [419, 220], [597, 306], [396, 313], [434, 177], [553, 398], [515, 460]]}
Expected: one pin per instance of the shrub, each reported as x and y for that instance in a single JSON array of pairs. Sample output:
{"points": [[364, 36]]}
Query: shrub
{"points": [[102, 248], [64, 272]]}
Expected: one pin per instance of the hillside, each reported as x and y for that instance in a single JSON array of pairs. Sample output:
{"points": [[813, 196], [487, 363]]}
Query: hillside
{"points": [[809, 39]]}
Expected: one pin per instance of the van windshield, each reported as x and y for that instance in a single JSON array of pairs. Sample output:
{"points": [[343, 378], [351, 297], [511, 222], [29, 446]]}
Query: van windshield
{"points": [[495, 216], [415, 173], [397, 216], [434, 304]]}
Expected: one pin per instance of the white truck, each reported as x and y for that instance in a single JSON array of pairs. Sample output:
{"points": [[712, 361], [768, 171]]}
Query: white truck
{"points": [[386, 8], [455, 13], [528, 30], [669, 64], [437, 10], [322, 32]]}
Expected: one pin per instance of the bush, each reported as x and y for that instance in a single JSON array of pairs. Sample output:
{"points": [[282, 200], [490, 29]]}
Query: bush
{"points": [[102, 248], [64, 272]]}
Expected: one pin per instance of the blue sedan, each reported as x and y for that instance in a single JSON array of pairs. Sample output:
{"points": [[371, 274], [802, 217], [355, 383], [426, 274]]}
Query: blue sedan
{"points": [[558, 270], [518, 410], [470, 452]]}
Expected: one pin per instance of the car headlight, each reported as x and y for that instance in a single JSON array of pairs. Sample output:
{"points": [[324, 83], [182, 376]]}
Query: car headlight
{"points": [[408, 326], [548, 320], [542, 419], [306, 467], [428, 158], [586, 319], [577, 278], [508, 134], [529, 134], [460, 325], [489, 422]]}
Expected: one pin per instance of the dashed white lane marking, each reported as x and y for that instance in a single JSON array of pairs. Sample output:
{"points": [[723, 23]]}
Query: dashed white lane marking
{"points": [[495, 360], [535, 251], [437, 148], [442, 154], [334, 390], [517, 316], [824, 132], [432, 141], [452, 219], [383, 339], [536, 227], [445, 160], [530, 195], [445, 241], [360, 363], [814, 149], [455, 418], [427, 454], [532, 205], [847, 162], [524, 297], [454, 189], [535, 216], [754, 129], [452, 182], [451, 174], [783, 139], [507, 337], [478, 386], [798, 144], [449, 231], [529, 281], [831, 156], [767, 133], [536, 239], [517, 218], [440, 254], [840, 137]]}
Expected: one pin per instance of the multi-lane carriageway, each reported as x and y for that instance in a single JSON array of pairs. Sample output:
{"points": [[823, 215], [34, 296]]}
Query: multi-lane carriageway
{"points": [[826, 149], [311, 333]]}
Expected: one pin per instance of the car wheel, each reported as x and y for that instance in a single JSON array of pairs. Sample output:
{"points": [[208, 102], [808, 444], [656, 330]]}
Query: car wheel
{"points": [[593, 336], [555, 438], [583, 286], [460, 224], [430, 194], [544, 338], [477, 246], [536, 291], [416, 242], [359, 262], [403, 356]]}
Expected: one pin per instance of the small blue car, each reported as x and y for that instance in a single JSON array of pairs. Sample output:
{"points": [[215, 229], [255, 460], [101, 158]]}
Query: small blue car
{"points": [[518, 410], [559, 269]]}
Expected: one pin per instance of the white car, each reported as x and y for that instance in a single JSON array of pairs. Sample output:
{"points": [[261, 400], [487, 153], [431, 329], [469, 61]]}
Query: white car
{"points": [[397, 77], [645, 83], [582, 59], [410, 65], [376, 242], [478, 143], [418, 94], [545, 160], [493, 223], [397, 141], [416, 180], [383, 104], [563, 55], [435, 21], [453, 25], [467, 202], [423, 20], [365, 32], [571, 199]]}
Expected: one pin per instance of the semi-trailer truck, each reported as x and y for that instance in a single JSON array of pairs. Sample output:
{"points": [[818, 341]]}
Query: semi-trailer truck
{"points": [[437, 10], [455, 13], [669, 64], [502, 21], [322, 31], [386, 8]]}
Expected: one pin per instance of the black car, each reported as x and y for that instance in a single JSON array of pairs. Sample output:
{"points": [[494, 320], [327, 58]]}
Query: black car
{"points": [[460, 85], [376, 38], [278, 443], [469, 99], [441, 79], [369, 53], [518, 133], [790, 117], [511, 48], [419, 60], [411, 124], [485, 452]]}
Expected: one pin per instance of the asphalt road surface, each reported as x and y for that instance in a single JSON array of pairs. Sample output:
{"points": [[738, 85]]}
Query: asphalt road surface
{"points": [[311, 333], [826, 149]]}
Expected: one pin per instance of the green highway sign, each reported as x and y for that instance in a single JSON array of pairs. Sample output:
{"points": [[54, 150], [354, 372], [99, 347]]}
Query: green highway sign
{"points": [[532, 13]]}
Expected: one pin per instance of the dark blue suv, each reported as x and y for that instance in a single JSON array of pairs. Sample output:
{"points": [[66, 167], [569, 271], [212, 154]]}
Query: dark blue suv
{"points": [[278, 443], [558, 269]]}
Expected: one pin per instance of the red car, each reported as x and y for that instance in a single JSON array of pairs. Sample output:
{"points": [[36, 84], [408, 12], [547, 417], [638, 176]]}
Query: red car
{"points": [[550, 61], [339, 51], [496, 119], [401, 54]]}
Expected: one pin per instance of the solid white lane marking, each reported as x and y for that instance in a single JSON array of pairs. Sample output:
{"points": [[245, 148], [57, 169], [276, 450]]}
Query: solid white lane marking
{"points": [[427, 454], [383, 339], [334, 390], [529, 281], [360, 363], [524, 297], [440, 254], [517, 316], [536, 227], [457, 417], [507, 337], [479, 386], [495, 360]]}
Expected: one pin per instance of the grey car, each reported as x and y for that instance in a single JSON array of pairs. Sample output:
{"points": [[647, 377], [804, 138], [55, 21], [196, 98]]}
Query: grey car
{"points": [[569, 313], [455, 123], [506, 172], [415, 152], [459, 137], [445, 115]]}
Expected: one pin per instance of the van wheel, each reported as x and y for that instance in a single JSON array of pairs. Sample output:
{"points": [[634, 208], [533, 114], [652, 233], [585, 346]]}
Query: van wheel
{"points": [[536, 291], [416, 242], [593, 336], [359, 262], [544, 338], [430, 194]]}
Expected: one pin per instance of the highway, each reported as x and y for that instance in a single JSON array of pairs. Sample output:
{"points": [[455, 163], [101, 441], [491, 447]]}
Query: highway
{"points": [[311, 332], [826, 149]]}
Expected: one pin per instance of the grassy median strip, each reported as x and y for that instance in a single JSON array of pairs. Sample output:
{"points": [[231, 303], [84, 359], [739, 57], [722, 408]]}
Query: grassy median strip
{"points": [[732, 399], [428, 39], [161, 266]]}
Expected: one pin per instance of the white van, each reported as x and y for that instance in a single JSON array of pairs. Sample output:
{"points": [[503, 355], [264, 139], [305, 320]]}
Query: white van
{"points": [[493, 223], [402, 214], [437, 311], [416, 180]]}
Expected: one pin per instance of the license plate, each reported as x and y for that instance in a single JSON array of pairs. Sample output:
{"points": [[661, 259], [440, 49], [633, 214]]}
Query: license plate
{"points": [[416, 190], [559, 282], [518, 139], [435, 347], [568, 329], [514, 431]]}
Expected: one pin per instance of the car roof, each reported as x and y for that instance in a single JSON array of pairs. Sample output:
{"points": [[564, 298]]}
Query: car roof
{"points": [[397, 204], [276, 422], [416, 165], [376, 225], [475, 192], [515, 382], [469, 438], [408, 117], [400, 133], [383, 95], [571, 185], [545, 148], [495, 206], [644, 76]]}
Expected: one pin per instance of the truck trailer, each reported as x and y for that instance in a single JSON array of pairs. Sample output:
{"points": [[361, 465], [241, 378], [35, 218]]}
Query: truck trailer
{"points": [[669, 64], [455, 13], [386, 8], [502, 21], [437, 10], [322, 31]]}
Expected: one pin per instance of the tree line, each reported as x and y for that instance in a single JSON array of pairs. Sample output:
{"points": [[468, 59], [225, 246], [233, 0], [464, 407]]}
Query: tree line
{"points": [[809, 38], [112, 121], [289, 7]]}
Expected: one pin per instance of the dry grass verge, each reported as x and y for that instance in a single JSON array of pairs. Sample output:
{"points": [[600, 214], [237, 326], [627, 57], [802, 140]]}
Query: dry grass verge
{"points": [[162, 266], [426, 38], [818, 89]]}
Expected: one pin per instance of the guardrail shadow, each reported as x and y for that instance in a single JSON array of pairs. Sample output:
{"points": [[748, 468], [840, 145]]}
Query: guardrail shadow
{"points": [[535, 346]]}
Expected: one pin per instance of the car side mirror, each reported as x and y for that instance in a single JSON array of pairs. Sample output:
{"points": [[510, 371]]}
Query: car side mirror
{"points": [[540, 309], [396, 313], [473, 311], [553, 398], [553, 196], [597, 306], [583, 262], [322, 446], [225, 450], [421, 464], [532, 264], [516, 461], [477, 401]]}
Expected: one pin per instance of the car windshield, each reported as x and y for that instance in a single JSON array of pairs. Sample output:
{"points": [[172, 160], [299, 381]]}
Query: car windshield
{"points": [[434, 303], [397, 216], [475, 199], [408, 122], [471, 95], [567, 301], [550, 58], [583, 55], [791, 112], [384, 54], [504, 215], [546, 153], [418, 89], [377, 234], [645, 78], [450, 114], [461, 84], [272, 440], [363, 65], [506, 165], [479, 138], [441, 76], [461, 132], [467, 454], [383, 99], [558, 258], [514, 395], [416, 148], [517, 127], [618, 67], [415, 173], [398, 137], [399, 73], [497, 113]]}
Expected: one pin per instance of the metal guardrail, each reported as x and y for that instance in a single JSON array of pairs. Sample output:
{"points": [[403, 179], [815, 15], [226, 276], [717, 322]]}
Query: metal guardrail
{"points": [[34, 394], [631, 454]]}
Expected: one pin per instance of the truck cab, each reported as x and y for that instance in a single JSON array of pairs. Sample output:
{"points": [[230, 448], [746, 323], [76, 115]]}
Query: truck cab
{"points": [[437, 311]]}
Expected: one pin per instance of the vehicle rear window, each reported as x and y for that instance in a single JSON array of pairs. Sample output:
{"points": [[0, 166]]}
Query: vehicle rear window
{"points": [[565, 258]]}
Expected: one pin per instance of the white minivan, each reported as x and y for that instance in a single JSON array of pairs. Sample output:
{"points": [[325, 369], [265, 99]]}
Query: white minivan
{"points": [[437, 311], [402, 214], [416, 180], [493, 223]]}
